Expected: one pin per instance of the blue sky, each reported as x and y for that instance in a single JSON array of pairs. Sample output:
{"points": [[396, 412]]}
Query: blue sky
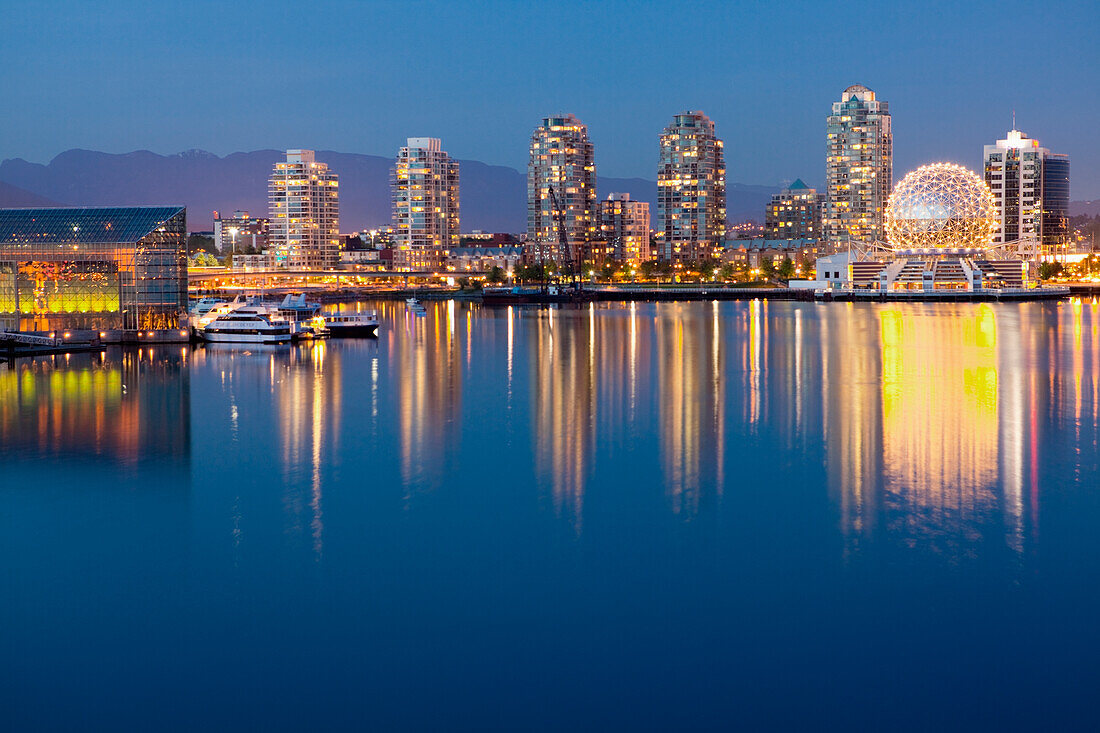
{"points": [[362, 76]]}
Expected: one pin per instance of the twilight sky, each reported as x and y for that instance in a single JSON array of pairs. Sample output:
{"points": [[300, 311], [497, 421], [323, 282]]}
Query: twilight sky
{"points": [[362, 76]]}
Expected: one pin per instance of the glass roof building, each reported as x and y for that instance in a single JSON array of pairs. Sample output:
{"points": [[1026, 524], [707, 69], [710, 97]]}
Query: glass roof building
{"points": [[93, 268]]}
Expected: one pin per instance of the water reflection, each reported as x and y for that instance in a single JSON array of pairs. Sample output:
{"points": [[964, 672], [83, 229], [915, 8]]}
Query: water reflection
{"points": [[564, 393], [925, 426], [124, 406], [690, 362], [929, 418], [426, 363], [290, 400]]}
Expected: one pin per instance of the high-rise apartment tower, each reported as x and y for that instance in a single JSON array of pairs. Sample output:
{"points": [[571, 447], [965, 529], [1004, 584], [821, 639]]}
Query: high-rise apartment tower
{"points": [[691, 190], [859, 167], [794, 213], [561, 157], [624, 228], [424, 185], [304, 198], [1031, 188]]}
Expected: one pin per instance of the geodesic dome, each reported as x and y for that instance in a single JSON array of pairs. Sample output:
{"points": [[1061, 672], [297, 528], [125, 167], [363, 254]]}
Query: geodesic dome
{"points": [[940, 207]]}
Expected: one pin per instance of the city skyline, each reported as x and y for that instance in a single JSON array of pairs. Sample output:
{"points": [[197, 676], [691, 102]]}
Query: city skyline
{"points": [[941, 113]]}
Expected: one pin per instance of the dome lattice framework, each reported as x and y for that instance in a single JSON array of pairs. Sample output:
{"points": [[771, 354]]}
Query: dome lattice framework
{"points": [[939, 208]]}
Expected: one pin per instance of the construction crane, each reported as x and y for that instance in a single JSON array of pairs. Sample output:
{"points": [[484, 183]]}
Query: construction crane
{"points": [[565, 251]]}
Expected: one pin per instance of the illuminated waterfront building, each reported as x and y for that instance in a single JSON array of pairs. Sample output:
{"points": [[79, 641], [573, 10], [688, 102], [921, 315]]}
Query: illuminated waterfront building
{"points": [[424, 184], [794, 213], [93, 268], [624, 228], [691, 190], [562, 157], [305, 213], [859, 167], [1031, 189], [240, 233], [939, 230]]}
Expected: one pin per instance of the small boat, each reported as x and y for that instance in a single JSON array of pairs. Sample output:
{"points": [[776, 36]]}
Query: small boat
{"points": [[205, 305], [248, 324], [303, 317], [351, 324]]}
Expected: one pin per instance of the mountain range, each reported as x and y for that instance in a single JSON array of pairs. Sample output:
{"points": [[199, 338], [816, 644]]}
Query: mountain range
{"points": [[493, 198]]}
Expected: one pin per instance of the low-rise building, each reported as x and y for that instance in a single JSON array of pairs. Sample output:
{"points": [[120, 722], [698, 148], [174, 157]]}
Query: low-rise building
{"points": [[755, 252], [251, 262], [117, 268], [483, 259], [240, 233], [361, 259]]}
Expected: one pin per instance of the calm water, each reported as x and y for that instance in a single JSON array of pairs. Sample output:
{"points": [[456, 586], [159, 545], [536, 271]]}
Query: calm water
{"points": [[766, 515]]}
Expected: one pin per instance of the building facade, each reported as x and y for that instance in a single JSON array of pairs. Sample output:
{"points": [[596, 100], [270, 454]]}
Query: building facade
{"points": [[1030, 186], [859, 167], [484, 259], [240, 233], [754, 253], [93, 268], [624, 229], [794, 213], [304, 198], [424, 187], [562, 158], [691, 190]]}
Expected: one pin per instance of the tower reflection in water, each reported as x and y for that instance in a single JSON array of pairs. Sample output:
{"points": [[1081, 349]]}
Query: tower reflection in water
{"points": [[426, 365], [293, 395], [929, 418], [127, 407]]}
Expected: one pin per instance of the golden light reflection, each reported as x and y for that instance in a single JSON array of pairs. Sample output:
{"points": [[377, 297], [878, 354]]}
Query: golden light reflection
{"points": [[565, 401], [691, 403], [123, 406], [939, 406], [428, 377]]}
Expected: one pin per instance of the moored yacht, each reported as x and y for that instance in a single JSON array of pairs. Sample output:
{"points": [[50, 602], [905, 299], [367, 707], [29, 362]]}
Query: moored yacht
{"points": [[203, 306], [248, 324], [351, 324]]}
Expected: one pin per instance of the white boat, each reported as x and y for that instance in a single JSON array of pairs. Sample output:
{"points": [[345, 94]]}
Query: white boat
{"points": [[351, 324], [205, 305], [251, 323], [302, 316]]}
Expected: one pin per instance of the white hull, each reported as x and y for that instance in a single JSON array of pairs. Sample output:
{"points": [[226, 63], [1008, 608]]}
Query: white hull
{"points": [[246, 338]]}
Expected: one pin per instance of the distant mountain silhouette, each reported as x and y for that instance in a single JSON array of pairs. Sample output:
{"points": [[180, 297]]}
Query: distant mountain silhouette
{"points": [[493, 198], [13, 197], [1089, 208]]}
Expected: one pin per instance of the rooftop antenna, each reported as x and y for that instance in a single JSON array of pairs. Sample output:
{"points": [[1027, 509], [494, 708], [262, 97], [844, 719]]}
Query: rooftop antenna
{"points": [[1013, 119]]}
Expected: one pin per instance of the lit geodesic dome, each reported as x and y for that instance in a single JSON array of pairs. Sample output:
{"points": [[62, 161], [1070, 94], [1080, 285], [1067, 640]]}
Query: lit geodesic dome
{"points": [[938, 207]]}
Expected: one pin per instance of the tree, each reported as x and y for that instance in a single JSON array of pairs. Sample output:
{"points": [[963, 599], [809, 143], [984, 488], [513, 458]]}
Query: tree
{"points": [[496, 275], [768, 267], [610, 269], [203, 259], [786, 269], [648, 268], [200, 243], [727, 271], [1047, 270]]}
